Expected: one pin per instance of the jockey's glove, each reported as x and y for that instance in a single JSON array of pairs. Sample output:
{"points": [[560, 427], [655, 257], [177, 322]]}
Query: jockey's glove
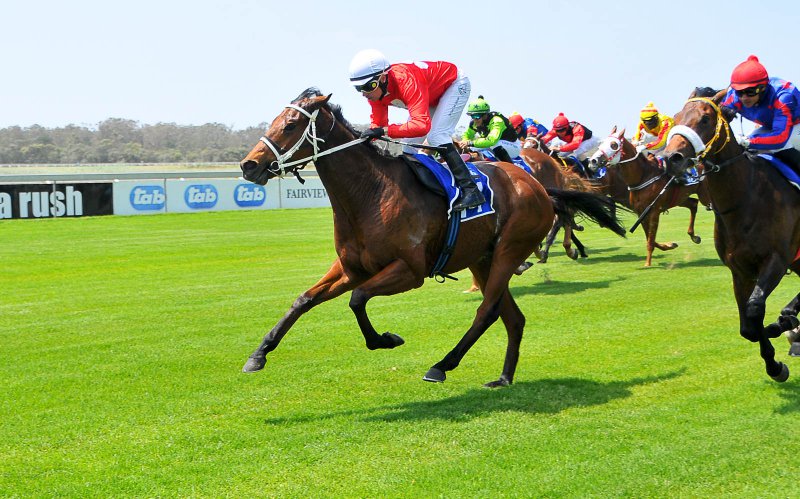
{"points": [[372, 133], [744, 142], [640, 148]]}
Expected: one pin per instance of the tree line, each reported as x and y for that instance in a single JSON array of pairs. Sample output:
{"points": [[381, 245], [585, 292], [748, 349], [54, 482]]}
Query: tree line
{"points": [[117, 140]]}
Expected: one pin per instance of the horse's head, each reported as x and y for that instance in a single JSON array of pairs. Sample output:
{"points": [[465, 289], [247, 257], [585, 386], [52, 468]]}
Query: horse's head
{"points": [[701, 129], [293, 131], [609, 152]]}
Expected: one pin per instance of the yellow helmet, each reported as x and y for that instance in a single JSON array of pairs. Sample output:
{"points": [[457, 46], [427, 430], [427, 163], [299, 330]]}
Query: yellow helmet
{"points": [[648, 111]]}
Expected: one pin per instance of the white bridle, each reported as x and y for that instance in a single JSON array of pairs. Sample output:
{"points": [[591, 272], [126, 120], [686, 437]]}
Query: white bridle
{"points": [[688, 134], [613, 156], [309, 135]]}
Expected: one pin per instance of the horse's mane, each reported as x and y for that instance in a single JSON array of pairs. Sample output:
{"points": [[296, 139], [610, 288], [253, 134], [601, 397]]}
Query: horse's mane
{"points": [[704, 92], [336, 111]]}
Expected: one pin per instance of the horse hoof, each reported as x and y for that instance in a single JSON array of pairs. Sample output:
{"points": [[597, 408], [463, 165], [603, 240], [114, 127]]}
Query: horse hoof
{"points": [[793, 336], [578, 228], [783, 375], [696, 239], [498, 383], [434, 375], [522, 268], [672, 246], [788, 322], [794, 349], [392, 339], [573, 254], [472, 289], [254, 364]]}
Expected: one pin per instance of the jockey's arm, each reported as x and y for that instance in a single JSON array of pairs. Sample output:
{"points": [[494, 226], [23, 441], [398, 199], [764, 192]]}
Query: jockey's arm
{"points": [[496, 128]]}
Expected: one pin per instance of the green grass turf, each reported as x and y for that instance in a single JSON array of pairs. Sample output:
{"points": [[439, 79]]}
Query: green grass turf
{"points": [[122, 341]]}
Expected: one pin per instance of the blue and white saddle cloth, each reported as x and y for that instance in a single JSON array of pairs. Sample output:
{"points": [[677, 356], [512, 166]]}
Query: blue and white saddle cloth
{"points": [[452, 191], [784, 169]]}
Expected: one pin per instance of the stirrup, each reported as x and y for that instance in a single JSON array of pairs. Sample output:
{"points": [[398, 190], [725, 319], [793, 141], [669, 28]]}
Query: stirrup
{"points": [[469, 199]]}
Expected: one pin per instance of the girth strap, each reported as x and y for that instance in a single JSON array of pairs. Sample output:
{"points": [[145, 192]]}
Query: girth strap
{"points": [[449, 245]]}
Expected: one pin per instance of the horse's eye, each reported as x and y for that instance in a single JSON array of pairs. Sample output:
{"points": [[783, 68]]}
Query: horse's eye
{"points": [[704, 120], [614, 146], [289, 127]]}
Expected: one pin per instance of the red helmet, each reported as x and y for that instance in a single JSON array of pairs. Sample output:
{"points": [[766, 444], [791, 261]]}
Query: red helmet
{"points": [[516, 120], [561, 121], [748, 74]]}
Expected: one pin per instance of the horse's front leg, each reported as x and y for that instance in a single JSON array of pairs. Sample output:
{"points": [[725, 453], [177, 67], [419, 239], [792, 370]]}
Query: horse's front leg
{"points": [[752, 309], [691, 205], [333, 284], [395, 278], [551, 237]]}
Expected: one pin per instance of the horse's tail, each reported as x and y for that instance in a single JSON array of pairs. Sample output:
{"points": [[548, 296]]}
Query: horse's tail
{"points": [[598, 208]]}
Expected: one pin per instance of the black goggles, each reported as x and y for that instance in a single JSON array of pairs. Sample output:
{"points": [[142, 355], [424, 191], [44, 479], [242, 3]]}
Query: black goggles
{"points": [[651, 120], [368, 86], [750, 92]]}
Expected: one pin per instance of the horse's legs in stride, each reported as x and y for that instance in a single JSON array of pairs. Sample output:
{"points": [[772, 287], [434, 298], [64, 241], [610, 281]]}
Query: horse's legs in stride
{"points": [[497, 301], [579, 245], [551, 237], [333, 284], [650, 225], [751, 300], [395, 278]]}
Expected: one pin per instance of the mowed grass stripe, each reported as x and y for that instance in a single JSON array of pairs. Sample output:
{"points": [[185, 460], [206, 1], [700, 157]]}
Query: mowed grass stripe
{"points": [[123, 340]]}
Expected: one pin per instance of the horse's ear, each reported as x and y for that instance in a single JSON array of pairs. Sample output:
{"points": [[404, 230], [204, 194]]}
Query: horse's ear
{"points": [[621, 132], [719, 96], [613, 130], [318, 102]]}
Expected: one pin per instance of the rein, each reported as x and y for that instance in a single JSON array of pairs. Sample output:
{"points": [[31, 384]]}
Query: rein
{"points": [[701, 148], [281, 167]]}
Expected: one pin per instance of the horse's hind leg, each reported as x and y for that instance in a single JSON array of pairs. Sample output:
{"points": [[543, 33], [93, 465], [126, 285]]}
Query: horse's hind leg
{"points": [[568, 235], [788, 321], [579, 245], [495, 303], [395, 278], [551, 237], [333, 284]]}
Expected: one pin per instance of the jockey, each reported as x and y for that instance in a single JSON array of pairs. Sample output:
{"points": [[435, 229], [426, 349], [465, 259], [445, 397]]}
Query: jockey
{"points": [[578, 140], [651, 134], [770, 102], [490, 130], [421, 88], [526, 126]]}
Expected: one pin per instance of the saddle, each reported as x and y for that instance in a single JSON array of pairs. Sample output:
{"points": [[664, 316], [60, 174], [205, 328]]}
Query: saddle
{"points": [[423, 173]]}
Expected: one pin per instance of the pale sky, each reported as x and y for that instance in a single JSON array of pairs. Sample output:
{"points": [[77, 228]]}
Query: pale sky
{"points": [[238, 62]]}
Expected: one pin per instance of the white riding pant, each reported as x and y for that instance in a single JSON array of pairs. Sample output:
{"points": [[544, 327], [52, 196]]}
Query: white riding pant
{"points": [[445, 115], [585, 150]]}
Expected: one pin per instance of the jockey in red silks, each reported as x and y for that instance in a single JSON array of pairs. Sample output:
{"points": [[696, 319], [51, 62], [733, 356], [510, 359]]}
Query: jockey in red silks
{"points": [[434, 93], [772, 103], [578, 140]]}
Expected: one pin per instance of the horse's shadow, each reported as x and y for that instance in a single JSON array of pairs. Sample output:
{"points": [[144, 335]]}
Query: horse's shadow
{"points": [[561, 287], [702, 262], [545, 396], [790, 393]]}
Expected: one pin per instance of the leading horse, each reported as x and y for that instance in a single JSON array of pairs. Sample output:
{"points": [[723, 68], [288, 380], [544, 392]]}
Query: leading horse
{"points": [[389, 229], [646, 180], [756, 217]]}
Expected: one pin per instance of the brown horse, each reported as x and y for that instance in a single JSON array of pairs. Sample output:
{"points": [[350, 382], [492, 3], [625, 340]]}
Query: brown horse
{"points": [[757, 217], [550, 172], [389, 229], [612, 184], [646, 179]]}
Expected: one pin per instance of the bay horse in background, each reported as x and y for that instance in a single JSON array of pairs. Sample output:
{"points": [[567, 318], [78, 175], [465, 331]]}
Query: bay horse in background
{"points": [[611, 184], [756, 213], [389, 229], [645, 179], [548, 171]]}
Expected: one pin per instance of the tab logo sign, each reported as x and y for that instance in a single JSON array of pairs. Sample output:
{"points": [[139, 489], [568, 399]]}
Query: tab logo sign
{"points": [[148, 197], [201, 196], [249, 195]]}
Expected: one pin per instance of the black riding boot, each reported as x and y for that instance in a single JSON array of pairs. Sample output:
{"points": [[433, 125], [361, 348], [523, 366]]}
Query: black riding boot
{"points": [[791, 157], [470, 195], [501, 154]]}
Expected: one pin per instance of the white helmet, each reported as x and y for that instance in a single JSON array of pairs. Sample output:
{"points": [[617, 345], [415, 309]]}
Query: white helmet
{"points": [[367, 64]]}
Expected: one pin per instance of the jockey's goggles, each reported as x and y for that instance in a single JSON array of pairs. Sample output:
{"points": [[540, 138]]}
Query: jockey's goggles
{"points": [[561, 130], [652, 120], [477, 116], [369, 86], [750, 92]]}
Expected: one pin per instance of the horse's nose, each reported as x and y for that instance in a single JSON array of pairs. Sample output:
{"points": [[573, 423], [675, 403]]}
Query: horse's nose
{"points": [[248, 167], [676, 163]]}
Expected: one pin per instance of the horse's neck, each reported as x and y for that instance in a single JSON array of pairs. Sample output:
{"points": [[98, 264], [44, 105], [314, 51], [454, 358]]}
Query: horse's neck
{"points": [[635, 170], [353, 177], [734, 184]]}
